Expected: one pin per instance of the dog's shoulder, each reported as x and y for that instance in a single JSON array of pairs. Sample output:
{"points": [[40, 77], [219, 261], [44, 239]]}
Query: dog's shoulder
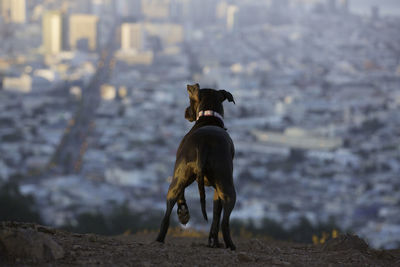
{"points": [[210, 130]]}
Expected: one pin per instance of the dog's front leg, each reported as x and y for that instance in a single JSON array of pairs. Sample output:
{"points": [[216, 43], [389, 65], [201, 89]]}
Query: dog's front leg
{"points": [[213, 237], [175, 189], [165, 222]]}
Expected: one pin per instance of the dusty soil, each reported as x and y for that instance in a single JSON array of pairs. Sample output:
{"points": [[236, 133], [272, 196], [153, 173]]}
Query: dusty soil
{"points": [[24, 244]]}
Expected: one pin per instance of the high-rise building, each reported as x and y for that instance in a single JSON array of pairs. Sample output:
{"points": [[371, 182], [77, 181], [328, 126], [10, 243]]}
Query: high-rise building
{"points": [[156, 9], [221, 10], [81, 6], [101, 7], [204, 12], [83, 27], [168, 33], [180, 11], [132, 36], [231, 17], [128, 9], [13, 10], [52, 32], [5, 9], [375, 12]]}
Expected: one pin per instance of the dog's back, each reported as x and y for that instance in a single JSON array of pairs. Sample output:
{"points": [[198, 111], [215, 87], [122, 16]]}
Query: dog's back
{"points": [[214, 139]]}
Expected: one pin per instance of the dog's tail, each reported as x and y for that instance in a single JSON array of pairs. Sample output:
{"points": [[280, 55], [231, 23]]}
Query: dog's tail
{"points": [[201, 161]]}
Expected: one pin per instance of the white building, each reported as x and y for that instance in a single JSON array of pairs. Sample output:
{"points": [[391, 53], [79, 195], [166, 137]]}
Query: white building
{"points": [[132, 37], [13, 10], [83, 27], [52, 32]]}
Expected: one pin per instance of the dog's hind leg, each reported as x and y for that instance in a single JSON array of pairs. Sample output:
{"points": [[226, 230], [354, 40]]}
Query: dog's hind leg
{"points": [[183, 210], [213, 237], [228, 202]]}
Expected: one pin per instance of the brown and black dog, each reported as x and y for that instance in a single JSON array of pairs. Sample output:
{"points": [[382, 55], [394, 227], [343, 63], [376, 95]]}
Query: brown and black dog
{"points": [[205, 154]]}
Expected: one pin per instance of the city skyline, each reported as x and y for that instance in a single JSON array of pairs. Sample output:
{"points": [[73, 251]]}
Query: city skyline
{"points": [[93, 94]]}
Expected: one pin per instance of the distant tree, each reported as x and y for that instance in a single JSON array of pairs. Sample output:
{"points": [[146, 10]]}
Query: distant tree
{"points": [[15, 206], [1, 81], [371, 126], [296, 155], [301, 233], [273, 229], [267, 227], [120, 220], [90, 223]]}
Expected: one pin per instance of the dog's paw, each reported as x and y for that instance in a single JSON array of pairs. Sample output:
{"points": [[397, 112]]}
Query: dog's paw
{"points": [[183, 214], [213, 243], [231, 246]]}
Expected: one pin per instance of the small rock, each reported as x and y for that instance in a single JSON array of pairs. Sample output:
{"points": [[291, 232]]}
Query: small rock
{"points": [[170, 256], [276, 250], [77, 235], [46, 230], [384, 255], [92, 238], [243, 257], [30, 245], [76, 247], [276, 261], [257, 243], [345, 242]]}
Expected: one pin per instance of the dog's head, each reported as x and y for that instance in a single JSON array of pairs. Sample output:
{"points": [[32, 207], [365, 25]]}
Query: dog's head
{"points": [[205, 99]]}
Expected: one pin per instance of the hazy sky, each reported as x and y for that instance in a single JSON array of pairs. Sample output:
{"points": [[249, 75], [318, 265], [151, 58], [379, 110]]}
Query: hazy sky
{"points": [[386, 6]]}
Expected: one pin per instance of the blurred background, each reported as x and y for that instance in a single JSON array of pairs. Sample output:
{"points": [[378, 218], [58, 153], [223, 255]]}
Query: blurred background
{"points": [[93, 94]]}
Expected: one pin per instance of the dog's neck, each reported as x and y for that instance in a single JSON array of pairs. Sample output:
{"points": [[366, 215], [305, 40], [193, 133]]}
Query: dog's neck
{"points": [[210, 116], [208, 113]]}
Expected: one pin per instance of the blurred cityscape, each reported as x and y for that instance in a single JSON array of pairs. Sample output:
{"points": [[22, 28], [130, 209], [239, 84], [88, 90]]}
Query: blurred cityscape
{"points": [[93, 93]]}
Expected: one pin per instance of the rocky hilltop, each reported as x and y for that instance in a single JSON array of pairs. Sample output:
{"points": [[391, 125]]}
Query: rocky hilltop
{"points": [[31, 244]]}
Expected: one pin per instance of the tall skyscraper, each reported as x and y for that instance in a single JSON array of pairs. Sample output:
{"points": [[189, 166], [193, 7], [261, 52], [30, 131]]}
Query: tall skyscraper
{"points": [[231, 17], [84, 27], [132, 36], [52, 32], [13, 10]]}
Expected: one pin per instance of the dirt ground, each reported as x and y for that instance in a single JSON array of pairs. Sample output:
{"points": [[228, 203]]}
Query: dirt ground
{"points": [[24, 244]]}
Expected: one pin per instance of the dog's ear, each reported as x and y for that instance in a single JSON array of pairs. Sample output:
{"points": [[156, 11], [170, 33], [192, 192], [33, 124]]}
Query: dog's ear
{"points": [[227, 95], [194, 91]]}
